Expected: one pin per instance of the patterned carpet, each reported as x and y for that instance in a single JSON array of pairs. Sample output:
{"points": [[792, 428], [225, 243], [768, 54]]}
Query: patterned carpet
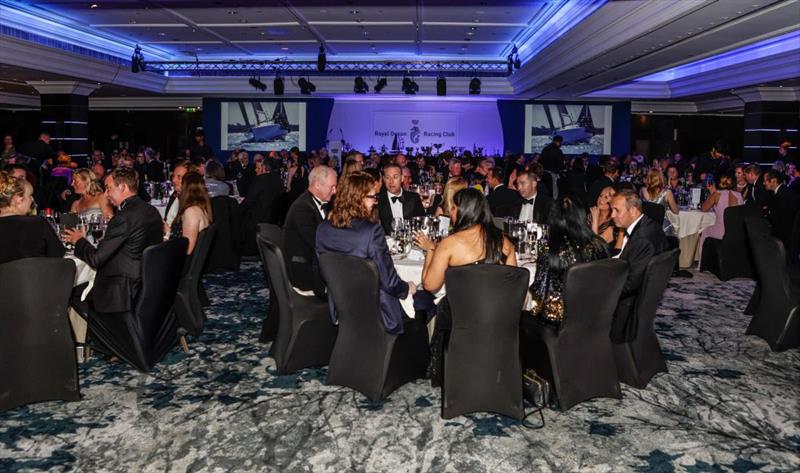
{"points": [[727, 404]]}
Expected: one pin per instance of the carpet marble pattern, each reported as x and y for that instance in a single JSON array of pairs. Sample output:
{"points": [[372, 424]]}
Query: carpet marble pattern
{"points": [[727, 404]]}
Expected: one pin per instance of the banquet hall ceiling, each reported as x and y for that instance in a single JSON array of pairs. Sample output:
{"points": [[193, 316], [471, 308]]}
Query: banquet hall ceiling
{"points": [[568, 48]]}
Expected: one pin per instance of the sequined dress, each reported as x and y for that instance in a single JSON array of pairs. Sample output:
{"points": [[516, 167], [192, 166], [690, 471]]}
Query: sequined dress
{"points": [[548, 285]]}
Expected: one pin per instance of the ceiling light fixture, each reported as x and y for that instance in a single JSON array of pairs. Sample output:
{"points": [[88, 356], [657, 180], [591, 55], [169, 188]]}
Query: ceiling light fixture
{"points": [[137, 61], [257, 84], [382, 82], [277, 84], [360, 86], [475, 86], [441, 85], [322, 60], [409, 87], [306, 87]]}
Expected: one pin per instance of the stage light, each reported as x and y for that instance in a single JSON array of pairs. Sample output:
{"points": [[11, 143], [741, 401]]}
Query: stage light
{"points": [[322, 60], [510, 64], [441, 85], [277, 84], [382, 82], [256, 83], [517, 62], [409, 86], [475, 86], [306, 87], [137, 61], [360, 86]]}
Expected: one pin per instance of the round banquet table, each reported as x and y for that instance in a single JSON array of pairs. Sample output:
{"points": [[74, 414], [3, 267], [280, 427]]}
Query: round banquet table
{"points": [[689, 224]]}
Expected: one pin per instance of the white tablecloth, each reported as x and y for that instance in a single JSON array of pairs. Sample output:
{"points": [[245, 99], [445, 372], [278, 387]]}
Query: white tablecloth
{"points": [[690, 222], [83, 274]]}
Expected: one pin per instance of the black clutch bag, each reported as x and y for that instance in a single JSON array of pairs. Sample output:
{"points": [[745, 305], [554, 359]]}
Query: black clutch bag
{"points": [[537, 391]]}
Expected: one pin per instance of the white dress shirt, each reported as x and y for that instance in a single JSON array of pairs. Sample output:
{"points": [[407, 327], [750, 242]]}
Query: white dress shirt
{"points": [[397, 207], [172, 211], [526, 211], [319, 205], [628, 231]]}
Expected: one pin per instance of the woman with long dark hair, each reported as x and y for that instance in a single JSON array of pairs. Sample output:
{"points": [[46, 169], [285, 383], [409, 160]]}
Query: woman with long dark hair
{"points": [[194, 210], [474, 240], [570, 241]]}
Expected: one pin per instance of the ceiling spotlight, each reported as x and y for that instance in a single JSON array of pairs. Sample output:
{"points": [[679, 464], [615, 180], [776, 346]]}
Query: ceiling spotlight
{"points": [[382, 82], [93, 6], [137, 61], [277, 84], [360, 86], [517, 61], [409, 86], [256, 83], [510, 64], [475, 86], [322, 60], [441, 85], [306, 87]]}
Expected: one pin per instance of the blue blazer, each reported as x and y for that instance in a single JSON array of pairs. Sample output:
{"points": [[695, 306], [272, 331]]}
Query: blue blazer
{"points": [[368, 240]]}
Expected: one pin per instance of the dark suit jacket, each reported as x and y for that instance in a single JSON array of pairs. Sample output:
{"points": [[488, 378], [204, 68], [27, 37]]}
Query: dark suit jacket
{"points": [[541, 207], [367, 240], [646, 241], [503, 200], [782, 209], [259, 206], [412, 207], [118, 257], [173, 200], [552, 158], [757, 194], [299, 244], [155, 171]]}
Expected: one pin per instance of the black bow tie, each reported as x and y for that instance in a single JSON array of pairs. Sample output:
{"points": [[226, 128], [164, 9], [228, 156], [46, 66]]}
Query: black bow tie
{"points": [[326, 207], [395, 198], [527, 202]]}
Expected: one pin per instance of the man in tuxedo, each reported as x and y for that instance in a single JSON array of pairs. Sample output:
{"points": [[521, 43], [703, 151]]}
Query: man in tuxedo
{"points": [[260, 205], [532, 205], [502, 200], [118, 257], [609, 179], [181, 168], [300, 230], [39, 150], [783, 204], [754, 192], [394, 202], [644, 238]]}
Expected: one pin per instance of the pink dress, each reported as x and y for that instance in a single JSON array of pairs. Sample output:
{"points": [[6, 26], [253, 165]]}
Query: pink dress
{"points": [[718, 229]]}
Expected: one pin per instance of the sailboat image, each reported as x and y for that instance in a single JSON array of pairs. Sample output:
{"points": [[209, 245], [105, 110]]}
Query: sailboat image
{"points": [[563, 124], [270, 129]]}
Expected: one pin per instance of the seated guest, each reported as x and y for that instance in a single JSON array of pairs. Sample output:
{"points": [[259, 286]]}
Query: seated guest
{"points": [[406, 178], [474, 240], [609, 178], [23, 235], [92, 198], [215, 179], [395, 203], [643, 239], [754, 193], [674, 183], [783, 204], [502, 200], [600, 217], [194, 210], [453, 185], [181, 168], [118, 257], [656, 191], [533, 205], [350, 167], [741, 181], [300, 230], [570, 242], [349, 231], [718, 199]]}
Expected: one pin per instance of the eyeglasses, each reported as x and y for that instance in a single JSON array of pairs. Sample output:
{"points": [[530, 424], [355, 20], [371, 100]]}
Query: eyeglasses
{"points": [[372, 196]]}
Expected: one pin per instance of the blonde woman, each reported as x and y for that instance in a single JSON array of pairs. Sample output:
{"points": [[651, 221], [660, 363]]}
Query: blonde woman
{"points": [[655, 191], [93, 200], [453, 185]]}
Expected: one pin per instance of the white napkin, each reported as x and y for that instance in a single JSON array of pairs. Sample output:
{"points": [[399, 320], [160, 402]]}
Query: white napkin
{"points": [[416, 255]]}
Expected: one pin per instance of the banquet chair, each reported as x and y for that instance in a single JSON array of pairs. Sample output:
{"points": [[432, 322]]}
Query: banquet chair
{"points": [[269, 329], [482, 369], [730, 257], [578, 357], [188, 306], [365, 357], [143, 336], [777, 317], [225, 253], [640, 359], [759, 225], [655, 212], [37, 362], [305, 333]]}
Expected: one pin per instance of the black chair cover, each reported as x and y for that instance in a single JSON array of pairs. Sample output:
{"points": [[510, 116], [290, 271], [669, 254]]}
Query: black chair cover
{"points": [[653, 211], [305, 334], [365, 357], [640, 359], [777, 317], [37, 362], [760, 225], [269, 329], [188, 305], [144, 336], [730, 257], [482, 369], [226, 251], [578, 357]]}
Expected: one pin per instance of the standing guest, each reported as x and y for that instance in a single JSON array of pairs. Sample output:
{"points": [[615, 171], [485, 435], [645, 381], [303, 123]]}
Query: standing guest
{"points": [[8, 148], [173, 204], [350, 167], [600, 217], [533, 206], [643, 239], [395, 203], [118, 257], [570, 242], [300, 229], [502, 200], [553, 162], [783, 204], [23, 235], [454, 168], [719, 199], [261, 204], [92, 198], [200, 151], [215, 179], [194, 212], [354, 161], [474, 240], [349, 231], [40, 150], [576, 179]]}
